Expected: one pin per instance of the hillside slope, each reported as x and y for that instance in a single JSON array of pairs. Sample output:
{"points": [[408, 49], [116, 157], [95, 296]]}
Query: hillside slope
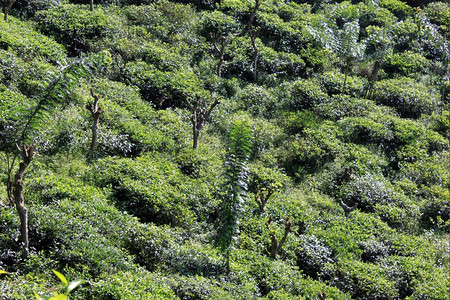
{"points": [[245, 149]]}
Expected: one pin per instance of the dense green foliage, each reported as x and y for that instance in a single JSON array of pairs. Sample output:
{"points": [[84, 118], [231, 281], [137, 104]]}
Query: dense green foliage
{"points": [[323, 105]]}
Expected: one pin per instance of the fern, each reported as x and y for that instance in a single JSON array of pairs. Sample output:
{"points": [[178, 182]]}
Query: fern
{"points": [[236, 185]]}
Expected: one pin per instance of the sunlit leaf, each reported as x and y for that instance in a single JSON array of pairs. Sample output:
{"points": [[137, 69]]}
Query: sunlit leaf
{"points": [[59, 297], [74, 284], [61, 277]]}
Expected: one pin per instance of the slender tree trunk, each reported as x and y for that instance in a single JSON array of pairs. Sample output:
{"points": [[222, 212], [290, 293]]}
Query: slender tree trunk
{"points": [[276, 246], [220, 51], [27, 153], [199, 117], [94, 135], [255, 54], [91, 5], [195, 130], [6, 8], [96, 111], [346, 74]]}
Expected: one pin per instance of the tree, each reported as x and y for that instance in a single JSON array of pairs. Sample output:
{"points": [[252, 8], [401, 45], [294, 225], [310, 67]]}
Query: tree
{"points": [[27, 155], [200, 114], [236, 185], [264, 183], [26, 124], [7, 4], [220, 28], [91, 5]]}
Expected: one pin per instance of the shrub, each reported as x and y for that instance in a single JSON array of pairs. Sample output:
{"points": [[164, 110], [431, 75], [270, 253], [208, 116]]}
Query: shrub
{"points": [[406, 63], [333, 81], [29, 44], [138, 284], [439, 13], [260, 101], [410, 98], [309, 151], [365, 280], [314, 258], [163, 89], [157, 18], [138, 188], [76, 27], [400, 9], [341, 106], [28, 8], [303, 94]]}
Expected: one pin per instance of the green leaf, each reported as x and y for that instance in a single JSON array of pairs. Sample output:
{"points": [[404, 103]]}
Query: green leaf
{"points": [[61, 277], [3, 272], [59, 297], [74, 284], [37, 296]]}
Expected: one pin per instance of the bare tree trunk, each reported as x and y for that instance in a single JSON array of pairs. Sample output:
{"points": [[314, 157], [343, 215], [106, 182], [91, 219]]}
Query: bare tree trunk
{"points": [[91, 5], [96, 111], [261, 198], [6, 8], [199, 117], [347, 63], [27, 154], [255, 54], [220, 51], [276, 246]]}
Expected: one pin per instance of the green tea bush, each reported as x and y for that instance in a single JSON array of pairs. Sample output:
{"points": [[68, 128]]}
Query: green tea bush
{"points": [[310, 150], [163, 89], [341, 106], [314, 258], [302, 94], [270, 62], [59, 231], [274, 26], [333, 81], [157, 18], [138, 188], [76, 27], [436, 207], [12, 69], [28, 44], [405, 34], [216, 22], [260, 101], [28, 8], [369, 190], [410, 98], [275, 276], [400, 9], [406, 63], [297, 122], [414, 277], [365, 280], [9, 248], [136, 284], [439, 13], [393, 134], [194, 259]]}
